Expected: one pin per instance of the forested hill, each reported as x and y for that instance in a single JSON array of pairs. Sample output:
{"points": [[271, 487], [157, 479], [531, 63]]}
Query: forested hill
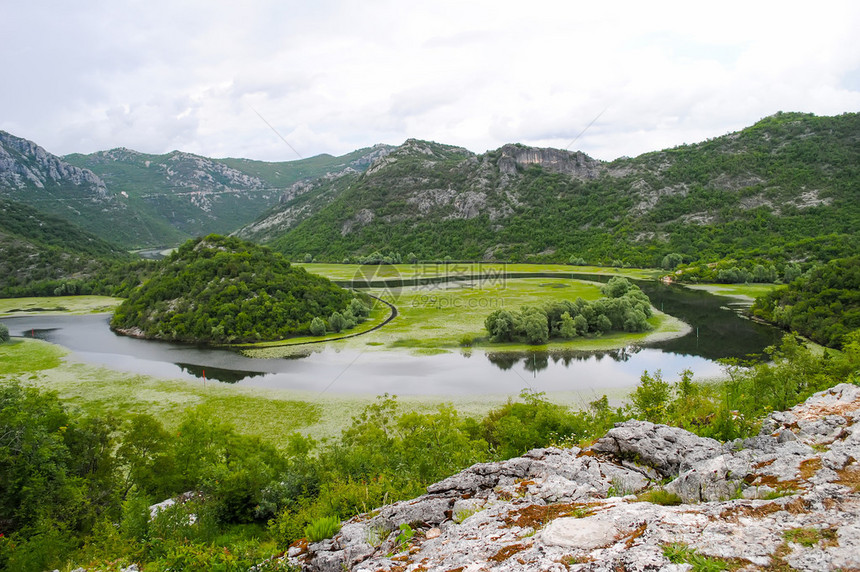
{"points": [[785, 188], [223, 290], [36, 247]]}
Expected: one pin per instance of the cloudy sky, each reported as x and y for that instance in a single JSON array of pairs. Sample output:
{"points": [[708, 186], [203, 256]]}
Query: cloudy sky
{"points": [[211, 77]]}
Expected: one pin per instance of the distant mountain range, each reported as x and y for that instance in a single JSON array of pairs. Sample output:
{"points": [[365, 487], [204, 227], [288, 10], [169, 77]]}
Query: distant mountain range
{"points": [[787, 187], [139, 200]]}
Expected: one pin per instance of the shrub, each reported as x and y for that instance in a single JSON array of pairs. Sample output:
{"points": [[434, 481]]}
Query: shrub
{"points": [[322, 528], [651, 397], [4, 333], [661, 497], [317, 326]]}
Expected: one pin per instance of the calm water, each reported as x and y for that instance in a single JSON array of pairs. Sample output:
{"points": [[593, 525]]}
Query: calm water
{"points": [[721, 333]]}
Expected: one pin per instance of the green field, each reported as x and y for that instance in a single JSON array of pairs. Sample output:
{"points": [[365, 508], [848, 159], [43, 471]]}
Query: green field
{"points": [[433, 270], [441, 317], [57, 305], [745, 292]]}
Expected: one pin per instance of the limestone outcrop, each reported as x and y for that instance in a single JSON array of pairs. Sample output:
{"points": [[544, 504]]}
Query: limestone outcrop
{"points": [[789, 497]]}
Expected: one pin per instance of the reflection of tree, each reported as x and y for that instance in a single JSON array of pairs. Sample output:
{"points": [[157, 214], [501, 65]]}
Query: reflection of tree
{"points": [[504, 360], [536, 361], [217, 373]]}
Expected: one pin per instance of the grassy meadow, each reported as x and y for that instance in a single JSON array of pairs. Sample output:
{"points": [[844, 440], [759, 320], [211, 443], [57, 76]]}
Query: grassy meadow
{"points": [[57, 305]]}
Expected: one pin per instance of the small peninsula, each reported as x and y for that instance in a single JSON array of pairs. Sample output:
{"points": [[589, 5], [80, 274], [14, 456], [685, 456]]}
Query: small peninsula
{"points": [[223, 290]]}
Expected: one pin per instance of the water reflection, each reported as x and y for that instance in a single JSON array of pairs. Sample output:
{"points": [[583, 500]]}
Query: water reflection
{"points": [[540, 360], [218, 373]]}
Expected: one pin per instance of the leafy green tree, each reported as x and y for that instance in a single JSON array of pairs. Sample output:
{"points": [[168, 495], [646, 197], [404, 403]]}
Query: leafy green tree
{"points": [[567, 329], [337, 322], [616, 287], [651, 397], [791, 273], [532, 325], [359, 309], [671, 261], [317, 327], [144, 456], [581, 324], [500, 325]]}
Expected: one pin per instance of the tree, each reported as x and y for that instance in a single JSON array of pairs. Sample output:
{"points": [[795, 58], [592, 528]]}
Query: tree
{"points": [[616, 287], [671, 261], [533, 326], [500, 325], [581, 324], [651, 397], [317, 327], [567, 329], [337, 322]]}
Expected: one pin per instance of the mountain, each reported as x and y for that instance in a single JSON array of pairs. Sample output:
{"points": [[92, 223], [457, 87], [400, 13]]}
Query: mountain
{"points": [[140, 200], [36, 247], [31, 175], [784, 188], [197, 195]]}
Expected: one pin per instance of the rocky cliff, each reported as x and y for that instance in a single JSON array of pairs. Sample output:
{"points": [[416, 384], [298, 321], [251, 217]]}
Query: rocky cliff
{"points": [[644, 497], [24, 164]]}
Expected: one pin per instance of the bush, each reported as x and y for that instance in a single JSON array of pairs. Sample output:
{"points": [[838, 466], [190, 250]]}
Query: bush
{"points": [[317, 327], [661, 497], [4, 333], [651, 398], [322, 528]]}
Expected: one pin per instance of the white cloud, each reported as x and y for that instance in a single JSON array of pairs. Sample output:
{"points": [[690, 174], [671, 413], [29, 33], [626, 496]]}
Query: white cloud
{"points": [[332, 76]]}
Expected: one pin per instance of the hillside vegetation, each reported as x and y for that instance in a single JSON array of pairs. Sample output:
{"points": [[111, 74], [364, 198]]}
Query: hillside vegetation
{"points": [[40, 253], [224, 290], [782, 189], [188, 195], [823, 304]]}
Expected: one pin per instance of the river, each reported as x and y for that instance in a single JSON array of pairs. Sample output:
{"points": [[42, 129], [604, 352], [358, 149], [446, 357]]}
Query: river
{"points": [[717, 332]]}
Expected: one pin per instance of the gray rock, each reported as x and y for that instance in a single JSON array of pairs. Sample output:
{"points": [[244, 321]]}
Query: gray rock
{"points": [[668, 450], [582, 533], [547, 509]]}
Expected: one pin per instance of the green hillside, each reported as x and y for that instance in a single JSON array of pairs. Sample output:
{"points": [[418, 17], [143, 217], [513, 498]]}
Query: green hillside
{"points": [[823, 304], [189, 195], [39, 248], [783, 189], [224, 290], [31, 175]]}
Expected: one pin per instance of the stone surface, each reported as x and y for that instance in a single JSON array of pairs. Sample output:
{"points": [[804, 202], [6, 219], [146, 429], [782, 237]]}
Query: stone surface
{"points": [[562, 509], [580, 533]]}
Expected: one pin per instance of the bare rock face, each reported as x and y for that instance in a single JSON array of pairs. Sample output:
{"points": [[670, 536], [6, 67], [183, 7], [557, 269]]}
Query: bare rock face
{"points": [[577, 164], [22, 162], [748, 503]]}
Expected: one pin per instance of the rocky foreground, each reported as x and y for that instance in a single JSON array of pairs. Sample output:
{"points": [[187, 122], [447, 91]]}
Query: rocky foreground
{"points": [[788, 498]]}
